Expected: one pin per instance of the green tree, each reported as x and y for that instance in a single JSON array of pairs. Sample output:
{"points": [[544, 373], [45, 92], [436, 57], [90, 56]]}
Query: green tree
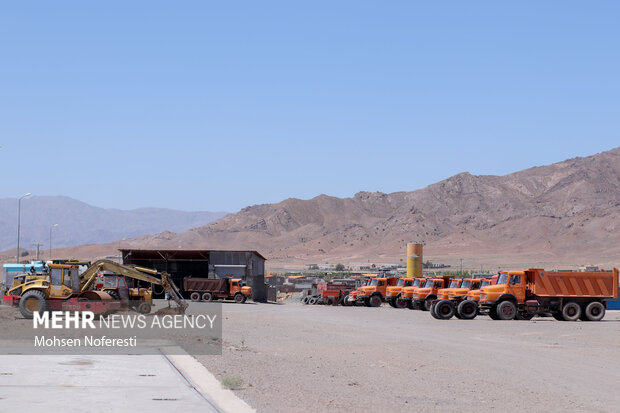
{"points": [[339, 267]]}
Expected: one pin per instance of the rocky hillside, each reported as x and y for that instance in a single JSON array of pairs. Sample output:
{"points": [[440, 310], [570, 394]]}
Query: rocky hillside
{"points": [[566, 213]]}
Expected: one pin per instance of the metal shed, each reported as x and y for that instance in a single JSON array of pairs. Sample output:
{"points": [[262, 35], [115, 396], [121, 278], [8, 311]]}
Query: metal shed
{"points": [[248, 265]]}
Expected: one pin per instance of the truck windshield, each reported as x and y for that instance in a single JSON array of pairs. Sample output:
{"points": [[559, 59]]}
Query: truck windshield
{"points": [[503, 278], [416, 283], [400, 283], [429, 284], [485, 283], [454, 284], [466, 284], [373, 282]]}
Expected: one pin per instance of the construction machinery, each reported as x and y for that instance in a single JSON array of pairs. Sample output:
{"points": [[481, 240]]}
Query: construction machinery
{"points": [[449, 299], [406, 293], [226, 288], [468, 308], [373, 294], [119, 288], [423, 296], [65, 289], [393, 293], [567, 295]]}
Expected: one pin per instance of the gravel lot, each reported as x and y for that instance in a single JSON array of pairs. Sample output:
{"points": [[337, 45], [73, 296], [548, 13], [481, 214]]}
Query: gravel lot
{"points": [[293, 357]]}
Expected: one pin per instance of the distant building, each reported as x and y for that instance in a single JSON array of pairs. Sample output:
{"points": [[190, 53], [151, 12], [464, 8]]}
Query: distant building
{"points": [[247, 265]]}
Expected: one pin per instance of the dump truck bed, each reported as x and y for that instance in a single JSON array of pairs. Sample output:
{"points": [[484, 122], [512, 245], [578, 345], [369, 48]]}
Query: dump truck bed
{"points": [[205, 284], [574, 284]]}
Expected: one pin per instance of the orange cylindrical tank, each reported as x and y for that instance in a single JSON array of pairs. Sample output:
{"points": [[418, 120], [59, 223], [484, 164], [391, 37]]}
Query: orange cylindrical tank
{"points": [[414, 259]]}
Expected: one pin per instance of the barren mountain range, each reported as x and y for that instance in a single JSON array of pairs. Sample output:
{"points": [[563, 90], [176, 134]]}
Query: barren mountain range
{"points": [[80, 223], [564, 215]]}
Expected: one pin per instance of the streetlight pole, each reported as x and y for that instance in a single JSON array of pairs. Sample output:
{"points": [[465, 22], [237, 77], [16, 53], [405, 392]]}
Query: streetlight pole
{"points": [[19, 212], [55, 225]]}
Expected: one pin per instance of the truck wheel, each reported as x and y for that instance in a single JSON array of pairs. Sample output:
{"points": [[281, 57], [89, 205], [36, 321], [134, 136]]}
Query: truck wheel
{"points": [[31, 302], [427, 304], [411, 305], [506, 310], [329, 301], [144, 308], [312, 301], [345, 300], [392, 302], [239, 298], [595, 311], [375, 301], [444, 309], [400, 303], [468, 310], [571, 311], [304, 300], [194, 296], [557, 315], [433, 313], [207, 297], [493, 313]]}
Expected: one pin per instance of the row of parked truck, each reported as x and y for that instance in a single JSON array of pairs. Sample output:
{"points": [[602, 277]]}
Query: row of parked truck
{"points": [[508, 295]]}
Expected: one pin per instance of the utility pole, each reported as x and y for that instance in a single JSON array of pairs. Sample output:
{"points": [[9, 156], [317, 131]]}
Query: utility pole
{"points": [[461, 266], [38, 245], [19, 215]]}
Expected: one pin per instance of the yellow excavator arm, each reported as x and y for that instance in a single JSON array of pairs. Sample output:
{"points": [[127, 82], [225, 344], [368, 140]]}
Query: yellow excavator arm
{"points": [[139, 273]]}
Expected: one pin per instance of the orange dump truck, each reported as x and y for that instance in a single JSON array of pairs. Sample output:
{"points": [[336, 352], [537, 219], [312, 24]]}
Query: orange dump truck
{"points": [[373, 294], [468, 308], [393, 294], [407, 292], [423, 296], [566, 295], [449, 299]]}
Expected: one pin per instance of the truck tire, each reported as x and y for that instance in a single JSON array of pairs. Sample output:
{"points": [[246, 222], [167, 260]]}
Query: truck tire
{"points": [[444, 309], [375, 301], [312, 301], [468, 310], [144, 308], [31, 302], [506, 310], [571, 311], [329, 301], [411, 305], [304, 300], [113, 294], [345, 300], [239, 298], [392, 302], [595, 311], [493, 313], [207, 297], [433, 313], [400, 303], [195, 296], [557, 315], [427, 303]]}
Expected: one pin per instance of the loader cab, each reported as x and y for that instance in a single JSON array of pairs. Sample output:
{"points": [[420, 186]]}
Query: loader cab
{"points": [[64, 280]]}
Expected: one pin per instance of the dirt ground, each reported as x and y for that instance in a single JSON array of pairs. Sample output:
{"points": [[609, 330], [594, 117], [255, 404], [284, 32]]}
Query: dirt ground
{"points": [[293, 357]]}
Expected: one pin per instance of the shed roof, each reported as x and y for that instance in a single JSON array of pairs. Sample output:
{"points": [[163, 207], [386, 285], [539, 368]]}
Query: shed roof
{"points": [[177, 254]]}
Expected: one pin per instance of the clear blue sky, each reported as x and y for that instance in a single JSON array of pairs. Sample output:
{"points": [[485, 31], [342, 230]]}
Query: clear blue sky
{"points": [[204, 105]]}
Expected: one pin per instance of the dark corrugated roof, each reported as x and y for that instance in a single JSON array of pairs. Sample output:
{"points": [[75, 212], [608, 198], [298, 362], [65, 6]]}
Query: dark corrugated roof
{"points": [[180, 254]]}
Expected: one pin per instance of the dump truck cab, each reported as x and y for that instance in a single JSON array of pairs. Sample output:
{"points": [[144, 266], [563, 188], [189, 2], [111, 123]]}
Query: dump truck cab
{"points": [[407, 292], [449, 300], [393, 293], [423, 297], [373, 294], [444, 293], [474, 294]]}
